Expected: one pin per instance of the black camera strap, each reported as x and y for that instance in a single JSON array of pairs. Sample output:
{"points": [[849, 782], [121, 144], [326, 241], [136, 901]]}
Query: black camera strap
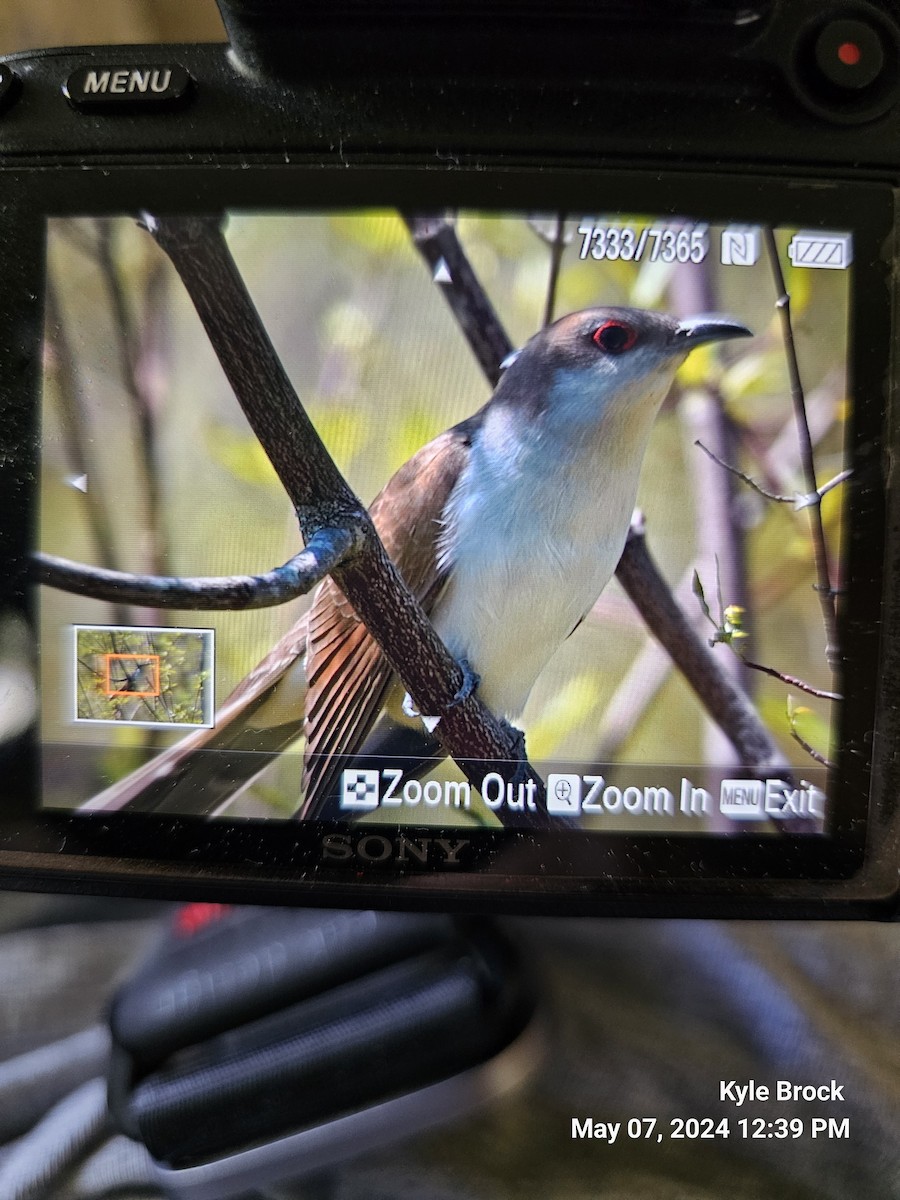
{"points": [[263, 1044]]}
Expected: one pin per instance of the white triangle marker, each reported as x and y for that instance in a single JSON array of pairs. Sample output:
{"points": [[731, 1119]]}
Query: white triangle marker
{"points": [[442, 272], [79, 482]]}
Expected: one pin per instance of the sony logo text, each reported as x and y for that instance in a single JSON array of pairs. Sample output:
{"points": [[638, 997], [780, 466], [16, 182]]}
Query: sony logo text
{"points": [[401, 851]]}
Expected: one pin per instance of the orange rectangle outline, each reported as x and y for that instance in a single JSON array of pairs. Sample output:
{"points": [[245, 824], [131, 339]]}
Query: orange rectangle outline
{"points": [[154, 661]]}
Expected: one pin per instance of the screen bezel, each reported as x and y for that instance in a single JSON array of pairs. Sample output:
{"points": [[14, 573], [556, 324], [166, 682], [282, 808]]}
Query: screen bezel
{"points": [[285, 855]]}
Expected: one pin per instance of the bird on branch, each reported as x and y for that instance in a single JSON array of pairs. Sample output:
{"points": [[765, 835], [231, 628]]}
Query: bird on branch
{"points": [[506, 527]]}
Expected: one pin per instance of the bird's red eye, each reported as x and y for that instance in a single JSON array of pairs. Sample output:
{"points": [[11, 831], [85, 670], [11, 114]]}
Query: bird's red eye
{"points": [[614, 337]]}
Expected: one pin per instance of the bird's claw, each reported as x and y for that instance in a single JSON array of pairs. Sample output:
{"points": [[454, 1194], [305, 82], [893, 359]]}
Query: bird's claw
{"points": [[470, 682]]}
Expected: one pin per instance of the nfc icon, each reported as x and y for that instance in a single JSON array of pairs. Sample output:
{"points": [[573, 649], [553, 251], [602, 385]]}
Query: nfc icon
{"points": [[359, 789], [740, 245]]}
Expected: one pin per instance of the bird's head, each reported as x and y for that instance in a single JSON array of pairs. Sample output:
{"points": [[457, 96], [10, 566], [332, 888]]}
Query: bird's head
{"points": [[604, 366]]}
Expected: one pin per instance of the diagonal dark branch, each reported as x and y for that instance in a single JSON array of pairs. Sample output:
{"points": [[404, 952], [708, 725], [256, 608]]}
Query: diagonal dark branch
{"points": [[723, 699], [436, 240], [814, 754], [321, 498]]}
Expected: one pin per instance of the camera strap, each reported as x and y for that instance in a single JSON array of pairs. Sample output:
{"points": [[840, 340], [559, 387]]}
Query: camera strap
{"points": [[257, 1045]]}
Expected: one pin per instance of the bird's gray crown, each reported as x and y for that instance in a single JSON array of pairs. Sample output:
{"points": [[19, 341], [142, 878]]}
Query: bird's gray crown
{"points": [[609, 340]]}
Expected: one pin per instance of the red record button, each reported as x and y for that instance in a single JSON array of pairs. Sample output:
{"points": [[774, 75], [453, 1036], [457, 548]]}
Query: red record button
{"points": [[850, 54]]}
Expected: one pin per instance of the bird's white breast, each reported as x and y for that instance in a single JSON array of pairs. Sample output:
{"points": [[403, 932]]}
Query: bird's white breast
{"points": [[534, 530]]}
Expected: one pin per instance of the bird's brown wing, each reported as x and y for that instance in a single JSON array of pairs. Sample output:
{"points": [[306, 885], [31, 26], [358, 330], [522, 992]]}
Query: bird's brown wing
{"points": [[347, 676], [210, 766]]}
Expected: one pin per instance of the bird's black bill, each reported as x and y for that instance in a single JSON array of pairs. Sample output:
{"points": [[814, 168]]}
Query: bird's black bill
{"points": [[698, 331]]}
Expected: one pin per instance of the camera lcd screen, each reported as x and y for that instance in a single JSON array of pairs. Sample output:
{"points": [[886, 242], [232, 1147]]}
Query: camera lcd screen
{"points": [[737, 476]]}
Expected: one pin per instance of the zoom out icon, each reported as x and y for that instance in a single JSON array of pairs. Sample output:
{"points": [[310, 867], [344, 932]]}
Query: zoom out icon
{"points": [[360, 789]]}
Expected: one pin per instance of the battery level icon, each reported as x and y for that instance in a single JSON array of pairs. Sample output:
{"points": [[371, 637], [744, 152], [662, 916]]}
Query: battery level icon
{"points": [[828, 251]]}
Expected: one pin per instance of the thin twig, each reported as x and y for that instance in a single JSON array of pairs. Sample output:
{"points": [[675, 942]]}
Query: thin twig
{"points": [[798, 500], [728, 630], [807, 458], [557, 246], [745, 478], [824, 489], [817, 755], [792, 680]]}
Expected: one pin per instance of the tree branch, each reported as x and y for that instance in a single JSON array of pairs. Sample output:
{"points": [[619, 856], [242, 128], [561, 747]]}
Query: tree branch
{"points": [[807, 458], [326, 550], [793, 681], [798, 499], [128, 353], [745, 478], [813, 753], [322, 499], [436, 240], [723, 699], [719, 516], [557, 242]]}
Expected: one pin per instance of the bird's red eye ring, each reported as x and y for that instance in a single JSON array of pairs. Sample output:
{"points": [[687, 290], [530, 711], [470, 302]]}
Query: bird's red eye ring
{"points": [[615, 337]]}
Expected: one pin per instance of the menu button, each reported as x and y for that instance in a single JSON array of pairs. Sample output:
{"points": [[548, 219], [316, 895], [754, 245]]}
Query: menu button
{"points": [[148, 86]]}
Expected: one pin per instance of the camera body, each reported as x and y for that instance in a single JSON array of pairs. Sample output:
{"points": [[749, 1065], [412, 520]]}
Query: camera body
{"points": [[671, 154]]}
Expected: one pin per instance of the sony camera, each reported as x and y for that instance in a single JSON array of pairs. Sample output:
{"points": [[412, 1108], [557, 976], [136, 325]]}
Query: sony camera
{"points": [[447, 459]]}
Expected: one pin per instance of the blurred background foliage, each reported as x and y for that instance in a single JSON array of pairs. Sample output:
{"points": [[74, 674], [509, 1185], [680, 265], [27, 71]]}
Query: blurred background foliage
{"points": [[374, 353]]}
